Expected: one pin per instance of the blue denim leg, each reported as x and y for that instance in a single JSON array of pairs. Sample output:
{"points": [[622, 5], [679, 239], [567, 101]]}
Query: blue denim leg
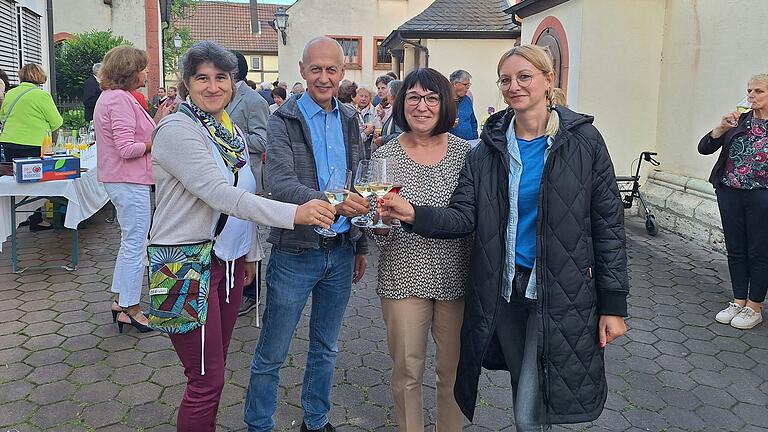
{"points": [[291, 276], [329, 301]]}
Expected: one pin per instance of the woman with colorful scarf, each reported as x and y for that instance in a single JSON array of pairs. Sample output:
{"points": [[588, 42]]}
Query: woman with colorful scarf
{"points": [[201, 169]]}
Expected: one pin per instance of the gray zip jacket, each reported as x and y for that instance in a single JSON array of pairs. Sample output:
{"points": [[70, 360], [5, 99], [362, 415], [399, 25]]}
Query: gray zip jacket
{"points": [[290, 173]]}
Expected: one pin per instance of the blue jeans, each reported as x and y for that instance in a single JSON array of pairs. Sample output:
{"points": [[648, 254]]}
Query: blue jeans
{"points": [[292, 275]]}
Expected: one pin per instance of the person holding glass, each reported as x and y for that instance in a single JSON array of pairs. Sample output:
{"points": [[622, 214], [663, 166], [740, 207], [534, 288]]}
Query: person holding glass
{"points": [[740, 178], [421, 281], [125, 167], [308, 138], [548, 270], [211, 177]]}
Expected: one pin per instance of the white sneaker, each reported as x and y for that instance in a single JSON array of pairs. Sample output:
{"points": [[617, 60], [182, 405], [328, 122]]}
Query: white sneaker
{"points": [[726, 315], [747, 318]]}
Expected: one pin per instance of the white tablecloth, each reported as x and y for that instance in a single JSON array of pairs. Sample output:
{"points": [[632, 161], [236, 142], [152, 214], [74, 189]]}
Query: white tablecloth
{"points": [[86, 196]]}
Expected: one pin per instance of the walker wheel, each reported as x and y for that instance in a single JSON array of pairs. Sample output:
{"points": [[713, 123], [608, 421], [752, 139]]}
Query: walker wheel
{"points": [[651, 226]]}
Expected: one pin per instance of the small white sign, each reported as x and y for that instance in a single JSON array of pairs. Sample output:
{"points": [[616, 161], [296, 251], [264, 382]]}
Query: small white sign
{"points": [[32, 171], [158, 291]]}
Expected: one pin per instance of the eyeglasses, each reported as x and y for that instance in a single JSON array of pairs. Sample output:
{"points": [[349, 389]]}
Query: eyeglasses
{"points": [[523, 80], [413, 99], [465, 84]]}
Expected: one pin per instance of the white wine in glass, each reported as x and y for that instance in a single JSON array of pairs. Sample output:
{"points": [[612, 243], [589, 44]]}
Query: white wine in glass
{"points": [[336, 190], [380, 183], [744, 106], [362, 186]]}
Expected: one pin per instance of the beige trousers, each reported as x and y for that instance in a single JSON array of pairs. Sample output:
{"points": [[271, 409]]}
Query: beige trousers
{"points": [[408, 323]]}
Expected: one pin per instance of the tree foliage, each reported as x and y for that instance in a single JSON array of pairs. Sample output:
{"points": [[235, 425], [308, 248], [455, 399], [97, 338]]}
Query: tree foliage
{"points": [[180, 9], [75, 58]]}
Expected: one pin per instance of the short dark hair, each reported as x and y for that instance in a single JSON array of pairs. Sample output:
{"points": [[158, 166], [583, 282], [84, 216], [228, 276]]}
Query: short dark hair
{"points": [[383, 79], [279, 91], [242, 66], [393, 75], [430, 80]]}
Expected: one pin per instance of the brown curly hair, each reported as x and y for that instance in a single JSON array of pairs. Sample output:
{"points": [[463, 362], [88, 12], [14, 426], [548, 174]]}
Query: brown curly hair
{"points": [[121, 66]]}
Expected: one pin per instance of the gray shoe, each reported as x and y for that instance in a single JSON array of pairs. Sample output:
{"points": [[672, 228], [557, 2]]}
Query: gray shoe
{"points": [[248, 305]]}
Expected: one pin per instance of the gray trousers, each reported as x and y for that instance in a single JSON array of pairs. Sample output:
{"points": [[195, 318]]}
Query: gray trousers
{"points": [[516, 329]]}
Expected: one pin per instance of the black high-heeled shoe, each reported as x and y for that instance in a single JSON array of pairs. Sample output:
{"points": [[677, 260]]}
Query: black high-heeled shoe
{"points": [[137, 325], [115, 312]]}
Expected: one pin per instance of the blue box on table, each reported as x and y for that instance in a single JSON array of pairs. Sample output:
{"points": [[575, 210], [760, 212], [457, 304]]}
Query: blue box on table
{"points": [[35, 169]]}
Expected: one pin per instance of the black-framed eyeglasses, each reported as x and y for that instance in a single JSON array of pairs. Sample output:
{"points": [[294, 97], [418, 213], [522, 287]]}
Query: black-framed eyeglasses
{"points": [[523, 80], [413, 99]]}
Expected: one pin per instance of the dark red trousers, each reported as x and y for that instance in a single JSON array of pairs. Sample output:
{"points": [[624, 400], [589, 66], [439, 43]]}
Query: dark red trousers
{"points": [[197, 412]]}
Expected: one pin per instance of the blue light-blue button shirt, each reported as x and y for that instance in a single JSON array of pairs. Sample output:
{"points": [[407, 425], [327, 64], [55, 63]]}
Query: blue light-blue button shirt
{"points": [[515, 173], [327, 144]]}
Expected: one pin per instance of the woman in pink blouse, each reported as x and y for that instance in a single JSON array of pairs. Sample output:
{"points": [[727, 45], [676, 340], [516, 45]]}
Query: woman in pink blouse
{"points": [[123, 132]]}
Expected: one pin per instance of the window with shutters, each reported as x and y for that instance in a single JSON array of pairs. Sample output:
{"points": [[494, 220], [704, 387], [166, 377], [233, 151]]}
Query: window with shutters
{"points": [[9, 39], [353, 54], [31, 40]]}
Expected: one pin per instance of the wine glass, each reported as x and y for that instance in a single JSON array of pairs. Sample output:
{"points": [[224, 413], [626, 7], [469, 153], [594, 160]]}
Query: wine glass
{"points": [[380, 183], [82, 144], [336, 190], [744, 106], [397, 184], [362, 186]]}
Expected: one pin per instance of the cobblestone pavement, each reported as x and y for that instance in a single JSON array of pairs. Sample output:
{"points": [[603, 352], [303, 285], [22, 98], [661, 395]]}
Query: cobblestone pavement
{"points": [[64, 366]]}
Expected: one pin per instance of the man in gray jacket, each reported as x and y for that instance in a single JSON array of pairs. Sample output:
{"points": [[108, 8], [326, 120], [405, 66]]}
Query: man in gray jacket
{"points": [[308, 137], [249, 111]]}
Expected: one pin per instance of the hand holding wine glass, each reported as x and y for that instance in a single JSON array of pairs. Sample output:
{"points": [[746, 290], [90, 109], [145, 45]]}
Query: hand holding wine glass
{"points": [[728, 121], [315, 212], [362, 186], [336, 191], [394, 206]]}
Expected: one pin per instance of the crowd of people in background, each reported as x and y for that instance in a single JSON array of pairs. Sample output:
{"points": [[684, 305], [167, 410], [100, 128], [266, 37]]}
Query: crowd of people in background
{"points": [[467, 261]]}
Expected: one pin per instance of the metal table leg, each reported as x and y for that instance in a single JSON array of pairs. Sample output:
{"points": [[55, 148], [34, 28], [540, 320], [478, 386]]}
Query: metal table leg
{"points": [[14, 257]]}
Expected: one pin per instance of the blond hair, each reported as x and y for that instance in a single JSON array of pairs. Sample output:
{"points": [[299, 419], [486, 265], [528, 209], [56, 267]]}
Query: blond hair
{"points": [[33, 73], [558, 97], [539, 58], [761, 77], [120, 68]]}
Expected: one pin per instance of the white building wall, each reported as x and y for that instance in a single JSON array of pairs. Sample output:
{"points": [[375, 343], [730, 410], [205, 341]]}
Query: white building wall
{"points": [[39, 7]]}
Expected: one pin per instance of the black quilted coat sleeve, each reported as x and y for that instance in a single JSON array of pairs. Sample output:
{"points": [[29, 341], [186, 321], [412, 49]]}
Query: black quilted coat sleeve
{"points": [[455, 221], [608, 238]]}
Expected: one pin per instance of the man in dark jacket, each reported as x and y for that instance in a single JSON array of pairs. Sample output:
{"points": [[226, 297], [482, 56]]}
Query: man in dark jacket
{"points": [[308, 138], [580, 268], [91, 92]]}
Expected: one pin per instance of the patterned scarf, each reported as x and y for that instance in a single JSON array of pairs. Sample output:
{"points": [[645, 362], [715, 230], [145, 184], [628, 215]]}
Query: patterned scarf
{"points": [[231, 146]]}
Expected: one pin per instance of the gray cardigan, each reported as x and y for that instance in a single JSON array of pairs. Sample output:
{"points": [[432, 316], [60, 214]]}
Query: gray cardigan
{"points": [[249, 111], [191, 191], [291, 175]]}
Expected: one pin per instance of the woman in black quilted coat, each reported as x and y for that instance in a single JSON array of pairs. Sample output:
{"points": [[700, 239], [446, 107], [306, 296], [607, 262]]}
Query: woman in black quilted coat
{"points": [[548, 280]]}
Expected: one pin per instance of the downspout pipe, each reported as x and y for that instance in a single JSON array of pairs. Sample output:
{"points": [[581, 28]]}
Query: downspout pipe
{"points": [[51, 49], [419, 46]]}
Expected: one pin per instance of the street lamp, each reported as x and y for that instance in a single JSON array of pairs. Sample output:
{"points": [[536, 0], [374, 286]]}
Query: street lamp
{"points": [[177, 41], [281, 22]]}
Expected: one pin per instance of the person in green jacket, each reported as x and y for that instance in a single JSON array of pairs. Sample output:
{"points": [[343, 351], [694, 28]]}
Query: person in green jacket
{"points": [[27, 113]]}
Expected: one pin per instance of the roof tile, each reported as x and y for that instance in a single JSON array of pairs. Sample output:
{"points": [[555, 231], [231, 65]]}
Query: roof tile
{"points": [[229, 24], [462, 15]]}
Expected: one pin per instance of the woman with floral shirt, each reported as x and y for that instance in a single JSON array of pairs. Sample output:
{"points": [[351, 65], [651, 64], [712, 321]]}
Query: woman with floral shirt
{"points": [[740, 177]]}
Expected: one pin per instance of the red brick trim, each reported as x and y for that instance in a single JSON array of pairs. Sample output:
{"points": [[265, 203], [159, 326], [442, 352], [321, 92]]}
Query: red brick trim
{"points": [[152, 30], [559, 30]]}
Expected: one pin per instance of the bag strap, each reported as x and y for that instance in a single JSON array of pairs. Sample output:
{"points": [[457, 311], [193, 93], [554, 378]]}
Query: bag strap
{"points": [[8, 113], [223, 218]]}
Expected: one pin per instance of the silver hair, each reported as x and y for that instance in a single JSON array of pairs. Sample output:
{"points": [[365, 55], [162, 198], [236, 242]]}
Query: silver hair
{"points": [[207, 52], [459, 75], [366, 87], [394, 86], [321, 39], [95, 69]]}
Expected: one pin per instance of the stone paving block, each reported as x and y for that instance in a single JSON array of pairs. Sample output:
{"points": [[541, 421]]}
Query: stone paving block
{"points": [[96, 392], [12, 355], [50, 393], [104, 414], [90, 373], [48, 416], [14, 390], [15, 413]]}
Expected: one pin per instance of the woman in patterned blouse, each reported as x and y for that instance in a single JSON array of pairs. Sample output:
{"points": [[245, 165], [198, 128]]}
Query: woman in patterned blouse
{"points": [[421, 280], [740, 177]]}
